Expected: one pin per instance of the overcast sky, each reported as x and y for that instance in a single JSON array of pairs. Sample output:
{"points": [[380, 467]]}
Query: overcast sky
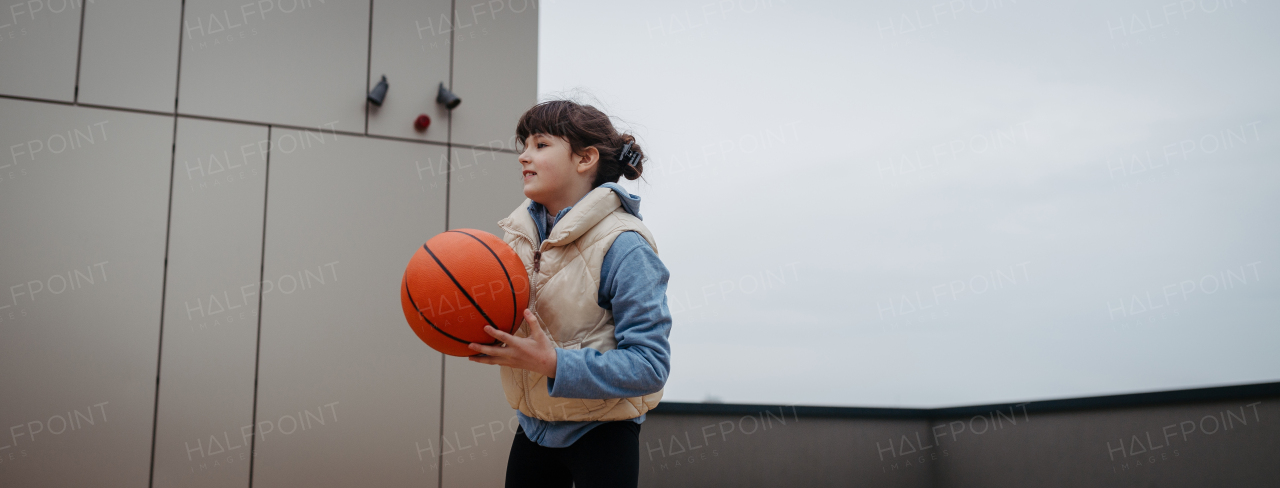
{"points": [[933, 203]]}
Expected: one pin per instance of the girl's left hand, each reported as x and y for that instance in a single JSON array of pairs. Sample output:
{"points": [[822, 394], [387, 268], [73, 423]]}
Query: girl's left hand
{"points": [[536, 353]]}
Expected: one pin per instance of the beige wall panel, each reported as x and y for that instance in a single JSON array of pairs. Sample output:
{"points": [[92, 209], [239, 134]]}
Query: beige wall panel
{"points": [[341, 226], [495, 69], [130, 54], [205, 413], [411, 47], [485, 187], [479, 425], [84, 194], [300, 63], [38, 44]]}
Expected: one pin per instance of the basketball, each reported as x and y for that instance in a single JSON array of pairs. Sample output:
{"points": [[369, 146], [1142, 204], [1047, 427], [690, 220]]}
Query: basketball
{"points": [[459, 282]]}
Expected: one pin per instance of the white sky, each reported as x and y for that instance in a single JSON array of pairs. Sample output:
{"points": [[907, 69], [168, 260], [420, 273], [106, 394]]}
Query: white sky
{"points": [[932, 203]]}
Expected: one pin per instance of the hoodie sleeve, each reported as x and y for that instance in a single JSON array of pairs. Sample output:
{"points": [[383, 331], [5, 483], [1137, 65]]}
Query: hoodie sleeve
{"points": [[633, 285]]}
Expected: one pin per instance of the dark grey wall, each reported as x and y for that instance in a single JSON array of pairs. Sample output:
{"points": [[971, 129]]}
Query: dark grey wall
{"points": [[1231, 443], [1227, 443], [778, 449]]}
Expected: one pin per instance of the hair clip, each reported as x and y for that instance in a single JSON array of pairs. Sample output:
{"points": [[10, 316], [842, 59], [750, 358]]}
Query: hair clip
{"points": [[628, 156]]}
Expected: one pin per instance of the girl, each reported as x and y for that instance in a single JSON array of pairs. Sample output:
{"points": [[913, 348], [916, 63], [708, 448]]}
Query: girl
{"points": [[592, 355]]}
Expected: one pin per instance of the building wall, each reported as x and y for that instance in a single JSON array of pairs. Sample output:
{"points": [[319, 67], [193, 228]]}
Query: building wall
{"points": [[204, 228], [776, 448], [1229, 442]]}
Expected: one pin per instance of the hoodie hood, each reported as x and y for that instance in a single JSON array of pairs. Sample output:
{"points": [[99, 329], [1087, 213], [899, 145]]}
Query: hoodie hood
{"points": [[629, 202]]}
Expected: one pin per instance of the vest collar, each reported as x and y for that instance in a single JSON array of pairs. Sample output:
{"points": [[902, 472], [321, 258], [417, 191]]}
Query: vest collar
{"points": [[590, 210]]}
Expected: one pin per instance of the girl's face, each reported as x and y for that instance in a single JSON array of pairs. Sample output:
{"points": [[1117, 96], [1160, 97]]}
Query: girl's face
{"points": [[552, 174]]}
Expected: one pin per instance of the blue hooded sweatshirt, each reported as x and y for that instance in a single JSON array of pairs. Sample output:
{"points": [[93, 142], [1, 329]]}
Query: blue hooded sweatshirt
{"points": [[633, 286]]}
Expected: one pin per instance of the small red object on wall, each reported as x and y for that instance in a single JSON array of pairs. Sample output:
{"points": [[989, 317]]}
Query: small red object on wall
{"points": [[422, 122]]}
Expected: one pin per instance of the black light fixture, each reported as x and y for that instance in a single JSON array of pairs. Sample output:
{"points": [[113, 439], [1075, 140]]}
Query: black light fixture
{"points": [[379, 92], [447, 97]]}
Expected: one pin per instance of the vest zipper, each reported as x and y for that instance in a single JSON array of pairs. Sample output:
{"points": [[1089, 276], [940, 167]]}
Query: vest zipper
{"points": [[523, 375], [533, 305]]}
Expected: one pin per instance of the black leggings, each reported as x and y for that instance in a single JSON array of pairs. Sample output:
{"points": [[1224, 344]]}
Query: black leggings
{"points": [[606, 456]]}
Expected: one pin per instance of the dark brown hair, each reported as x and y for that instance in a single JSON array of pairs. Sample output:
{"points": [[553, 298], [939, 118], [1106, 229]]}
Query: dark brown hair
{"points": [[583, 126]]}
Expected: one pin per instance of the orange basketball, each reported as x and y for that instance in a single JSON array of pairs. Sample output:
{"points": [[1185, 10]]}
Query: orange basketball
{"points": [[459, 282]]}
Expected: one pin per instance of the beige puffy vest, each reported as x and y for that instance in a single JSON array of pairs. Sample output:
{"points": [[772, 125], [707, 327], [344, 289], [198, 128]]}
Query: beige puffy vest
{"points": [[565, 276]]}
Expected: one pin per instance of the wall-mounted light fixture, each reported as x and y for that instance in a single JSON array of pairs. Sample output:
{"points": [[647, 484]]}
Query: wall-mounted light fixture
{"points": [[447, 97], [379, 92]]}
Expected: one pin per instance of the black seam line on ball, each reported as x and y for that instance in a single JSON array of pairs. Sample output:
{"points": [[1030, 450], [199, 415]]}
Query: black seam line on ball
{"points": [[459, 285], [516, 316], [428, 321]]}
